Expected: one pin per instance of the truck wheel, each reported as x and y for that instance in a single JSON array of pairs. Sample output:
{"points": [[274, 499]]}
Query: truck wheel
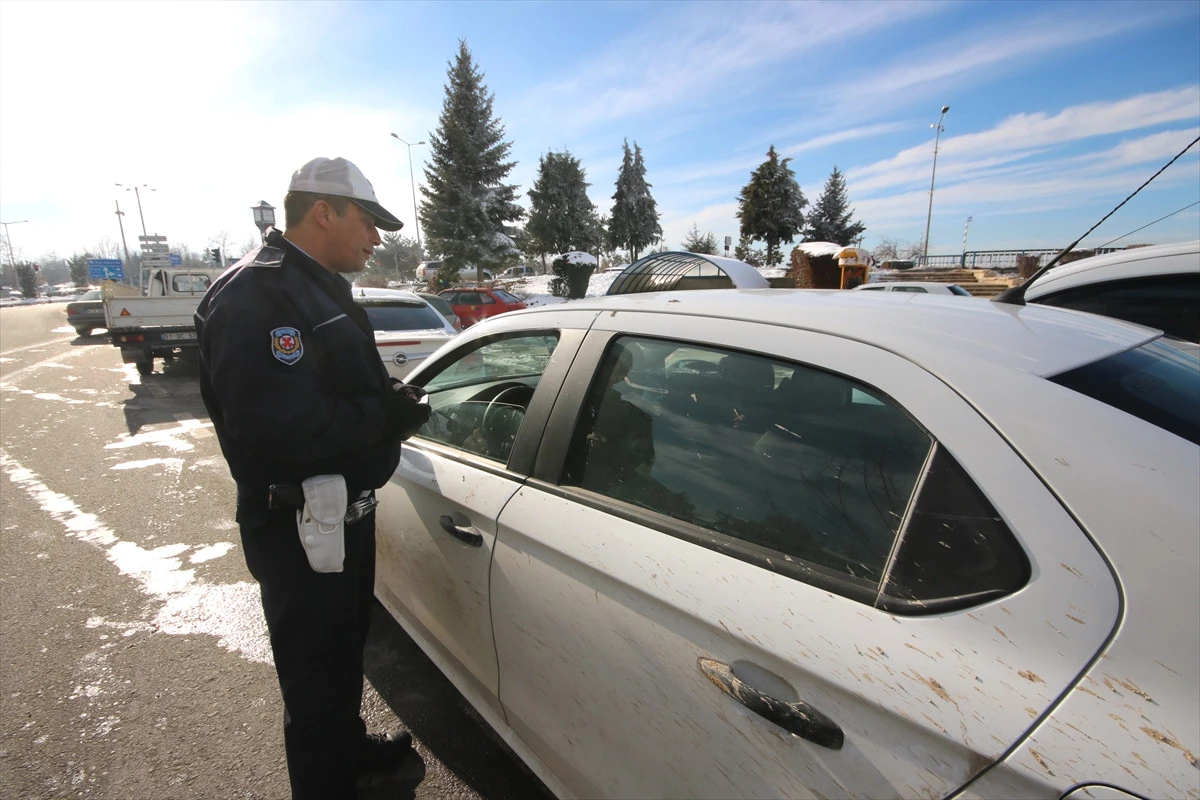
{"points": [[145, 367]]}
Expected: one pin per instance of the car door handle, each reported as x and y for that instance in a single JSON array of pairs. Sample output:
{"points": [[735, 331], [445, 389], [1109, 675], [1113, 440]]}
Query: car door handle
{"points": [[473, 539], [796, 717]]}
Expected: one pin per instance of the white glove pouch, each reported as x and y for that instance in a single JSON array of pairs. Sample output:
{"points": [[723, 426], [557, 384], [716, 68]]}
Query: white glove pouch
{"points": [[321, 523]]}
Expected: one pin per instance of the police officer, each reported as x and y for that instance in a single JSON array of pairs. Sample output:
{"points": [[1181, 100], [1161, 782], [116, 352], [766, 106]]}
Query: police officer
{"points": [[310, 424]]}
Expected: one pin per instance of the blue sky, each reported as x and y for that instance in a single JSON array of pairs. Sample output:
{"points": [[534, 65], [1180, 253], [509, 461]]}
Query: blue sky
{"points": [[1057, 110]]}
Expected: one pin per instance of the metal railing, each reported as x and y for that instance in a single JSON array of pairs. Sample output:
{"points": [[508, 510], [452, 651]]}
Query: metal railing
{"points": [[999, 260]]}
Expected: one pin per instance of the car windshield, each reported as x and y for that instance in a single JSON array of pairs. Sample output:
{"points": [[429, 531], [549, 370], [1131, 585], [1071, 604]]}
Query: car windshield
{"points": [[94, 294], [1155, 382], [402, 316]]}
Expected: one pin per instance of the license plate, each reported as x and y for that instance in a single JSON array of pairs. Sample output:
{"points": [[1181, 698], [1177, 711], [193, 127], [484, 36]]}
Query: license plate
{"points": [[178, 337]]}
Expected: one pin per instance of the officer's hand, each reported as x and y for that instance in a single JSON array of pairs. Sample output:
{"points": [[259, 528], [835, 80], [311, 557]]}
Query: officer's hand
{"points": [[405, 414]]}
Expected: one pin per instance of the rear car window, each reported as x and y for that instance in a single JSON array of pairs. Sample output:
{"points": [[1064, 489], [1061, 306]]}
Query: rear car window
{"points": [[506, 297], [1170, 303], [402, 316], [958, 290], [1155, 382]]}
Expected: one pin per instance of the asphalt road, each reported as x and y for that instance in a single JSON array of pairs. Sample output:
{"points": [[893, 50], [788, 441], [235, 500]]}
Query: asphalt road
{"points": [[133, 655]]}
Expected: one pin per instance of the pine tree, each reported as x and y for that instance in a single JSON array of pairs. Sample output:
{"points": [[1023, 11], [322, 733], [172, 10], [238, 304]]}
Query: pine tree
{"points": [[771, 205], [747, 252], [694, 242], [634, 221], [561, 217], [467, 205], [829, 220]]}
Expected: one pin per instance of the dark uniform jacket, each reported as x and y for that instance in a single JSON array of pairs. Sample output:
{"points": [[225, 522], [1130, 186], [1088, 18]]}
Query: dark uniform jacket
{"points": [[291, 377]]}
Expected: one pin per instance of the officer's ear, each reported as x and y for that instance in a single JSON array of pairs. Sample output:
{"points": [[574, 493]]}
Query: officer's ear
{"points": [[320, 214]]}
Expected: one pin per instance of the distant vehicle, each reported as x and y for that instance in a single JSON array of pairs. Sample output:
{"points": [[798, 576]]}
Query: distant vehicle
{"points": [[160, 319], [518, 272], [86, 313], [917, 287], [439, 303], [407, 329], [1158, 287], [427, 271], [474, 304]]}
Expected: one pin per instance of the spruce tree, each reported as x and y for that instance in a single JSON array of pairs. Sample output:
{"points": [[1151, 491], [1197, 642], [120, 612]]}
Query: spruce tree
{"points": [[694, 242], [771, 205], [561, 216], [634, 221], [829, 220], [467, 205]]}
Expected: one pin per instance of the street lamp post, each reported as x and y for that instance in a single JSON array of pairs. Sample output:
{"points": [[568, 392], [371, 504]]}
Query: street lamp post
{"points": [[264, 216], [929, 216], [121, 222], [413, 185], [138, 195], [12, 261]]}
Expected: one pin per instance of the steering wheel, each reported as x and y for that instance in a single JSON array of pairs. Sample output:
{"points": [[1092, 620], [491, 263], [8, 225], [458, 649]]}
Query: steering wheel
{"points": [[513, 396]]}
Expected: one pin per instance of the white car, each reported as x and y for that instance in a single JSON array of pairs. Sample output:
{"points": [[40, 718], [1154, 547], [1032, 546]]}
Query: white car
{"points": [[788, 543], [917, 287], [1154, 286], [428, 270], [407, 328]]}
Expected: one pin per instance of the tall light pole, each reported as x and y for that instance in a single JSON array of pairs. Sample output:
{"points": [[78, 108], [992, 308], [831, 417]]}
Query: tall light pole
{"points": [[138, 195], [929, 216], [121, 222], [12, 261], [413, 184]]}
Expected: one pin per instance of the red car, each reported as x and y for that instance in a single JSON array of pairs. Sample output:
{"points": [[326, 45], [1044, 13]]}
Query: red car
{"points": [[472, 305]]}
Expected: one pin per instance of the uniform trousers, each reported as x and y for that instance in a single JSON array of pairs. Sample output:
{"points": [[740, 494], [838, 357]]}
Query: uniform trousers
{"points": [[318, 629]]}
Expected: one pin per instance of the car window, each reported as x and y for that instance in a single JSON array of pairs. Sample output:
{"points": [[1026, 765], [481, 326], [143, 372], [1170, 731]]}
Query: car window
{"points": [[1170, 303], [871, 288], [1155, 382], [478, 397], [958, 290], [506, 297], [402, 316], [920, 289], [486, 299], [439, 303], [92, 295], [804, 471], [189, 283]]}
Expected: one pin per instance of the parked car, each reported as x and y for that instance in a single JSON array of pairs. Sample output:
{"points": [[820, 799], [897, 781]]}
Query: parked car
{"points": [[917, 287], [442, 307], [518, 272], [800, 544], [86, 313], [1154, 286], [427, 271], [472, 304], [407, 329]]}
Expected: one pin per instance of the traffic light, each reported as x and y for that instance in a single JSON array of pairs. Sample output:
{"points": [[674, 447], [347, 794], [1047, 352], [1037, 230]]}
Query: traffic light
{"points": [[215, 255]]}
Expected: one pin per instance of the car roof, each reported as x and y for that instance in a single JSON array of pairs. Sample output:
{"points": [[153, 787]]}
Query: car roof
{"points": [[370, 293], [946, 334], [1140, 262]]}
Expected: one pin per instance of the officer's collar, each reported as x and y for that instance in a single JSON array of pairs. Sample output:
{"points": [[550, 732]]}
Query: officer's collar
{"points": [[275, 238]]}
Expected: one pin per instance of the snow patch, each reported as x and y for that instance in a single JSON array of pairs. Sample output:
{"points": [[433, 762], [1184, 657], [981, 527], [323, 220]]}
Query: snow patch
{"points": [[174, 464], [212, 551]]}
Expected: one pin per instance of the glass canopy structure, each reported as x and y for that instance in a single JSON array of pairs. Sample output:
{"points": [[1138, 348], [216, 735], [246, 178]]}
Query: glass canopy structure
{"points": [[662, 272]]}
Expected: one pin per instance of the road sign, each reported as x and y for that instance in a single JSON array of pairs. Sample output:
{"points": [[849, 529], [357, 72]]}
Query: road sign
{"points": [[155, 238], [176, 260], [105, 269]]}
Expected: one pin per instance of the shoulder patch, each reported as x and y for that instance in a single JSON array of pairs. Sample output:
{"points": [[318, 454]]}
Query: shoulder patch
{"points": [[286, 345], [268, 257]]}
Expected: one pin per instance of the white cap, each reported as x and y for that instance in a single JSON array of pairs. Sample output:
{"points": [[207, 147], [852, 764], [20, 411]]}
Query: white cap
{"points": [[340, 178]]}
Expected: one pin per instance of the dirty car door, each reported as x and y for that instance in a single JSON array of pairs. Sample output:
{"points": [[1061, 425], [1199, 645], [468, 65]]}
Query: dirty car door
{"points": [[729, 619], [437, 518]]}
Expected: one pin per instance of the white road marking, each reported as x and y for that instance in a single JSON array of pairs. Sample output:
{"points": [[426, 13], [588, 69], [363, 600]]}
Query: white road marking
{"points": [[231, 612], [36, 346]]}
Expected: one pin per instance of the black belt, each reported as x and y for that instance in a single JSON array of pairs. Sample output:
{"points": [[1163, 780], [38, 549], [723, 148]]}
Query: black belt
{"points": [[291, 496]]}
